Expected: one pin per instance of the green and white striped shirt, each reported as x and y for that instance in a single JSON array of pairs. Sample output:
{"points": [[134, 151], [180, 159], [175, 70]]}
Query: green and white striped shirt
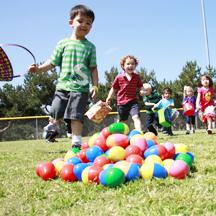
{"points": [[75, 59]]}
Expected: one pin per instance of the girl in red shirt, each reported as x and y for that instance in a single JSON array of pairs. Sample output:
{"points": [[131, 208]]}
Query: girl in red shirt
{"points": [[205, 102]]}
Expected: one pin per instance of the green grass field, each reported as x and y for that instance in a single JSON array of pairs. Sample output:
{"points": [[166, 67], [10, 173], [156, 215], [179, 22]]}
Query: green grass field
{"points": [[23, 193]]}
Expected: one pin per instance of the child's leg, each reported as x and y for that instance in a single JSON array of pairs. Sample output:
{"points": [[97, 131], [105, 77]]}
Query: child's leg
{"points": [[75, 110], [187, 119], [209, 125], [192, 124], [77, 127], [149, 123], [135, 113], [137, 122]]}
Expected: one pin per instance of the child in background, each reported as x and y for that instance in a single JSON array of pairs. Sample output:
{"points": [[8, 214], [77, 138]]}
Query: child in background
{"points": [[189, 97], [205, 102], [51, 131], [126, 85], [150, 99], [166, 103], [76, 57]]}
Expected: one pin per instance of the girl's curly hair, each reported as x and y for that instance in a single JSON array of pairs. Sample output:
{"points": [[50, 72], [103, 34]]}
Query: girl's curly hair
{"points": [[122, 61]]}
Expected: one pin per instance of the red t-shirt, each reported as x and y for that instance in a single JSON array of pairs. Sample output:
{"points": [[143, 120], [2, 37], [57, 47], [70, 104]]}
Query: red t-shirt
{"points": [[206, 97], [127, 89]]}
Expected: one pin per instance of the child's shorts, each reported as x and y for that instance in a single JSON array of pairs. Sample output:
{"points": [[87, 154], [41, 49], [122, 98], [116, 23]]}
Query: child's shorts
{"points": [[69, 105], [125, 110], [209, 113]]}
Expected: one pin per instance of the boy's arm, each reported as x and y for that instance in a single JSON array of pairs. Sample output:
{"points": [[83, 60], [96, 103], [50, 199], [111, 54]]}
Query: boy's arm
{"points": [[94, 89], [41, 68], [110, 94]]}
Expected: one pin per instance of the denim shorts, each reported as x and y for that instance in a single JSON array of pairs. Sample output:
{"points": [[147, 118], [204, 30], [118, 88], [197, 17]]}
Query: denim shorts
{"points": [[69, 105], [125, 110]]}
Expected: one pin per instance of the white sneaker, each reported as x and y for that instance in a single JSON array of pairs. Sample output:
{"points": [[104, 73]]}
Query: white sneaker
{"points": [[69, 135]]}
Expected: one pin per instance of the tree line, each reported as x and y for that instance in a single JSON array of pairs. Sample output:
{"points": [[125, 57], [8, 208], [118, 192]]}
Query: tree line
{"points": [[30, 98]]}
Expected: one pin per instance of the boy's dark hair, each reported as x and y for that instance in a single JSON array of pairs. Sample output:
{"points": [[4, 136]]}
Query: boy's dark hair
{"points": [[207, 77], [81, 9], [167, 90]]}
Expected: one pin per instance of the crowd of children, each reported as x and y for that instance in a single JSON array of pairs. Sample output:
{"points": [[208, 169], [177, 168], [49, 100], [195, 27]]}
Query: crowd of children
{"points": [[76, 57]]}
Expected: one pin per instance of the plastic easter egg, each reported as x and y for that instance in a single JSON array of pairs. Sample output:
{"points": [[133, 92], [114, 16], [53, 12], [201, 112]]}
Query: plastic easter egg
{"points": [[101, 142], [135, 137], [116, 153], [38, 168], [179, 169], [119, 127], [70, 153], [151, 136], [57, 160], [156, 150], [101, 161], [107, 166], [58, 166], [112, 177], [78, 169], [91, 174], [117, 140], [155, 170], [74, 160], [139, 142], [186, 158], [93, 138], [134, 158], [82, 156], [150, 143], [93, 152], [153, 159], [170, 149], [134, 132], [181, 148], [130, 170], [133, 172], [191, 155], [84, 145], [67, 173], [167, 164], [105, 132], [133, 149], [123, 165], [47, 171]]}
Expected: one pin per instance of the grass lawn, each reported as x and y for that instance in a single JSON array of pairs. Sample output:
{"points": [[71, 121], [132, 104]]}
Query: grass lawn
{"points": [[23, 193]]}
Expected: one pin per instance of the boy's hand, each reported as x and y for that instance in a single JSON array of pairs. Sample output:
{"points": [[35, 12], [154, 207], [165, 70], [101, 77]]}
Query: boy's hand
{"points": [[33, 68], [93, 92], [142, 93], [108, 101]]}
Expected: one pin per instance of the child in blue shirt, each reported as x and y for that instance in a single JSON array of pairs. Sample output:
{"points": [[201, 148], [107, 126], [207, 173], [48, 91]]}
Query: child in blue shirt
{"points": [[166, 103]]}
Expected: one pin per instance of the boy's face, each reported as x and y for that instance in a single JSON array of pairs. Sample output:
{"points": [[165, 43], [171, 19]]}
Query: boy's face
{"points": [[167, 95], [129, 65], [82, 25], [147, 91]]}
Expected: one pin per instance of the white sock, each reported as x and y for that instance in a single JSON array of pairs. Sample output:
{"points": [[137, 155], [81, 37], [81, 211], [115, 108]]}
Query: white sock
{"points": [[76, 139]]}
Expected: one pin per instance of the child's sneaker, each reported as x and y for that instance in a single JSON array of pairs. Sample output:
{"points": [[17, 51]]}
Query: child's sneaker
{"points": [[192, 131], [209, 131], [76, 145], [187, 132]]}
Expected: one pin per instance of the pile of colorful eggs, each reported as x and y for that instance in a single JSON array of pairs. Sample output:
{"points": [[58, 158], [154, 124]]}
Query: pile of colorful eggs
{"points": [[115, 155]]}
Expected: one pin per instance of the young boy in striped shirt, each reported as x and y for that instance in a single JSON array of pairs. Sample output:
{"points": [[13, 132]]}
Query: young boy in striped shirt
{"points": [[126, 85], [76, 57], [150, 99]]}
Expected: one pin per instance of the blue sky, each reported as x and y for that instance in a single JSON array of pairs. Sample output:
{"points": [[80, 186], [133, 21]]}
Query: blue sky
{"points": [[163, 35]]}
